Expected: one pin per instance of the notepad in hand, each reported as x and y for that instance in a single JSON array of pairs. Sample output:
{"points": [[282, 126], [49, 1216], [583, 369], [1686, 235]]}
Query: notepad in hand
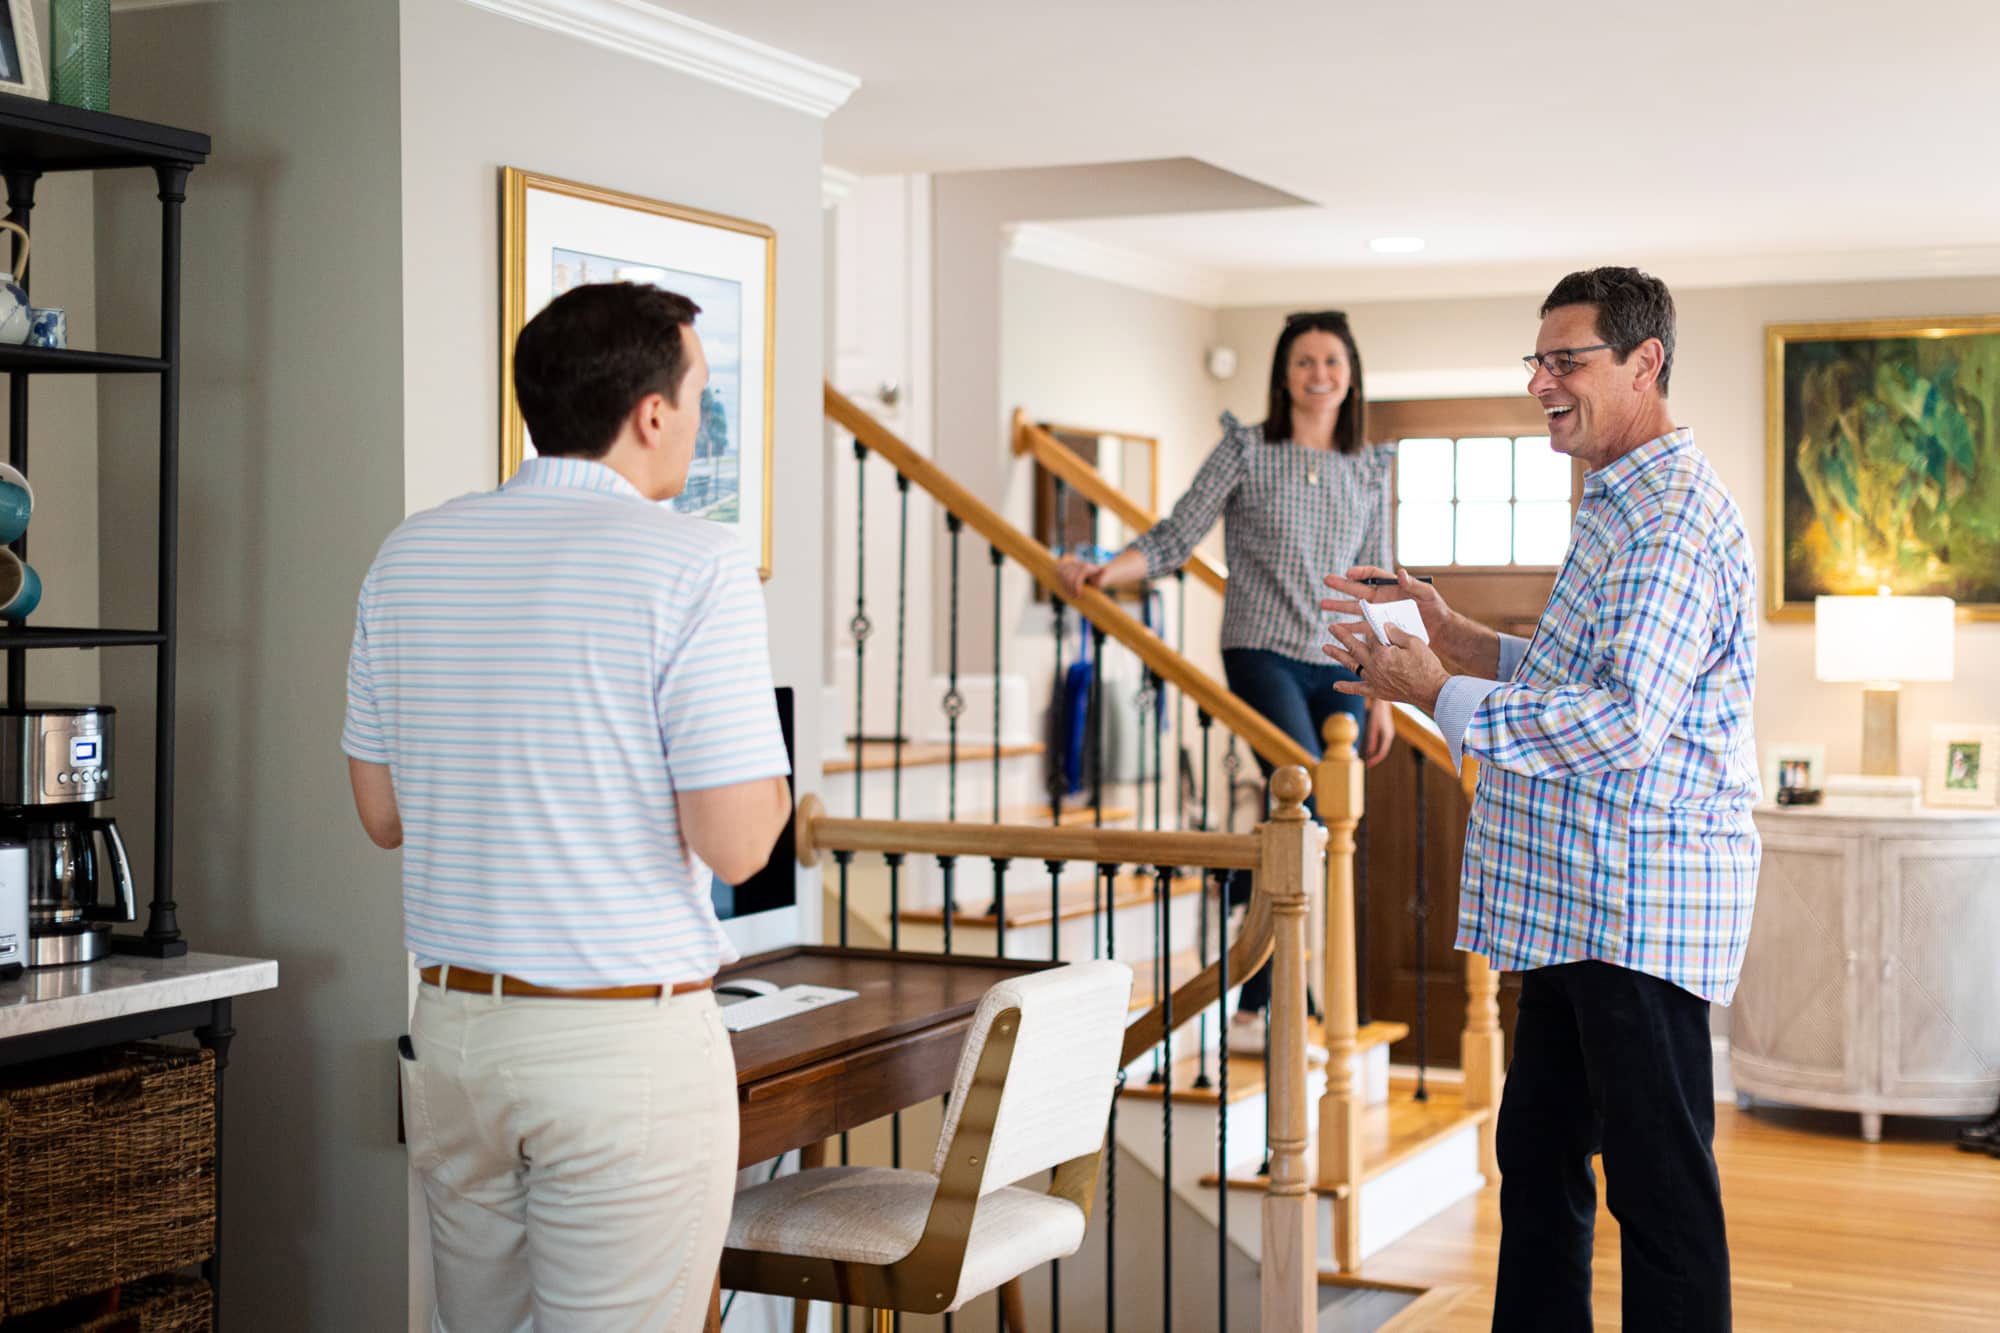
{"points": [[1403, 615]]}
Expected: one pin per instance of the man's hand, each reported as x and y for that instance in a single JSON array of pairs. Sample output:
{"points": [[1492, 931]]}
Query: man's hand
{"points": [[1404, 672], [1465, 646]]}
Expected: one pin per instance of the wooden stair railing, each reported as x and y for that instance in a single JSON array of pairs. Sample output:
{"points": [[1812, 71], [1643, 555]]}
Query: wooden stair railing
{"points": [[1068, 465], [1269, 742], [1284, 853]]}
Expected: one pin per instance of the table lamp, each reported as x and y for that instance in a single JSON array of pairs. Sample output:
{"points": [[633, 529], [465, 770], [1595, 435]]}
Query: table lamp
{"points": [[1882, 642]]}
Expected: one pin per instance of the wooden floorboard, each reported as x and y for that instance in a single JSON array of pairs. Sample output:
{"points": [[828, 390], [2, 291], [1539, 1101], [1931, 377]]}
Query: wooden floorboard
{"points": [[1826, 1232]]}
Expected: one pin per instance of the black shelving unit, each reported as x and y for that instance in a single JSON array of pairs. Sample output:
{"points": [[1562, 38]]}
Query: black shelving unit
{"points": [[37, 138]]}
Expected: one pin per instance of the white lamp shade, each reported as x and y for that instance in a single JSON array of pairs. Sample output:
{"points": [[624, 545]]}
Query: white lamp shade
{"points": [[1883, 638]]}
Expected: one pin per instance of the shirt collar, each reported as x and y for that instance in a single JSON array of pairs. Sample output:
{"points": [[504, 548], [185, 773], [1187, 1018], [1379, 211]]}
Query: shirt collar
{"points": [[579, 474], [1617, 475]]}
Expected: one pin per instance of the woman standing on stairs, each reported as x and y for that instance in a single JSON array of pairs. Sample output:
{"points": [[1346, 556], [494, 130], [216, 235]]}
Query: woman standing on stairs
{"points": [[1298, 494]]}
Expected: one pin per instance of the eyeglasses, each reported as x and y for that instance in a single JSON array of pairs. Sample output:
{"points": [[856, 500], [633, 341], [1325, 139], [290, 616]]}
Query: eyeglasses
{"points": [[1301, 316], [1562, 360]]}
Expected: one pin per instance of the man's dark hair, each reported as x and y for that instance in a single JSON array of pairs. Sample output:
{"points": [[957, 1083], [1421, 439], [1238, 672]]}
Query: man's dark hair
{"points": [[1348, 427], [588, 358], [1631, 307]]}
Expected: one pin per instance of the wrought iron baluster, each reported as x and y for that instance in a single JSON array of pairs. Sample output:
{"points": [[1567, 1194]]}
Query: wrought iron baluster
{"points": [[902, 623], [998, 560], [1096, 723], [843, 859], [1180, 700], [895, 863], [1222, 1114], [1163, 879], [1055, 869], [1201, 1079], [1000, 865], [948, 865], [1420, 907], [954, 702], [1059, 757], [1155, 704], [860, 627], [1232, 764]]}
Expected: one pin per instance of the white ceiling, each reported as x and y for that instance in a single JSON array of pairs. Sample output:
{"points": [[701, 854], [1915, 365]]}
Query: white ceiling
{"points": [[1506, 135]]}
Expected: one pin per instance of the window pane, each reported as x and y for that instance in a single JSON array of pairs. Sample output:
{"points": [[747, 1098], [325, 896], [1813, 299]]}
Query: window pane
{"points": [[1423, 469], [1485, 469], [1540, 473], [1541, 532], [1484, 530], [1423, 534]]}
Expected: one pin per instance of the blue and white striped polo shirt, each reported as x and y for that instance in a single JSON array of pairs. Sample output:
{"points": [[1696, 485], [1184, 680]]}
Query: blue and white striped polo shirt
{"points": [[542, 667]]}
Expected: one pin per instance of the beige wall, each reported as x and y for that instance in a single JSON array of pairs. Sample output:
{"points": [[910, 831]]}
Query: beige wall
{"points": [[1718, 389], [292, 472]]}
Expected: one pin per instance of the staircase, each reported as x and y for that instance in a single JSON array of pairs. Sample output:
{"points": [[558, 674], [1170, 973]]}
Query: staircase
{"points": [[1370, 1155]]}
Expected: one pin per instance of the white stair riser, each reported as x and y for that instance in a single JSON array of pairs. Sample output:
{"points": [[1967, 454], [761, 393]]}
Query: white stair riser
{"points": [[1132, 928], [926, 792]]}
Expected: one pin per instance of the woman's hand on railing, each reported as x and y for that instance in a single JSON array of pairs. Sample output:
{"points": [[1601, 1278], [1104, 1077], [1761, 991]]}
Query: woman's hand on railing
{"points": [[1380, 736], [1128, 566]]}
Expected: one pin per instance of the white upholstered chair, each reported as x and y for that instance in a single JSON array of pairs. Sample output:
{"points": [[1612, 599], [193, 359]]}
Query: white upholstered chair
{"points": [[1033, 1091]]}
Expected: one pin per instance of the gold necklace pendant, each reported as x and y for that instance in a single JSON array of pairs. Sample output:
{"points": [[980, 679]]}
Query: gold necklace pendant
{"points": [[1312, 474]]}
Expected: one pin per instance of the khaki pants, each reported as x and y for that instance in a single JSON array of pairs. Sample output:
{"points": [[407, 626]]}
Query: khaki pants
{"points": [[578, 1159]]}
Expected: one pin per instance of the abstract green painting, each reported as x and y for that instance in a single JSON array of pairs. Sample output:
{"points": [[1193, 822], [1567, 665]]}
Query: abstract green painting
{"points": [[1884, 462]]}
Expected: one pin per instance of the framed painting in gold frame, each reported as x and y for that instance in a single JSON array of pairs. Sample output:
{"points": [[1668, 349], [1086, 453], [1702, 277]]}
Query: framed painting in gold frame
{"points": [[557, 234], [1883, 462]]}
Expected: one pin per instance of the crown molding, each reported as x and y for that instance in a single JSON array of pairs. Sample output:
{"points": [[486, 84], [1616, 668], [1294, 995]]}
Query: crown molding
{"points": [[687, 46], [1051, 247], [1404, 281]]}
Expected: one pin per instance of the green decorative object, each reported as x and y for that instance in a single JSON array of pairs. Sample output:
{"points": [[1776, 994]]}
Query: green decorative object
{"points": [[80, 53]]}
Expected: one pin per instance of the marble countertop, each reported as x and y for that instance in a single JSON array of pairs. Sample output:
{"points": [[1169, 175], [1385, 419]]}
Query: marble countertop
{"points": [[45, 999]]}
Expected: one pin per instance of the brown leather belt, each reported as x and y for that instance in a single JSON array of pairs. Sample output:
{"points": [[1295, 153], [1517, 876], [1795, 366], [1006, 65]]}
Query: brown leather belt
{"points": [[465, 979]]}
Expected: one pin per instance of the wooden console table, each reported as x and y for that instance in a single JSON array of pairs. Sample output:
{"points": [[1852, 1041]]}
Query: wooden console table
{"points": [[804, 1079], [1869, 984]]}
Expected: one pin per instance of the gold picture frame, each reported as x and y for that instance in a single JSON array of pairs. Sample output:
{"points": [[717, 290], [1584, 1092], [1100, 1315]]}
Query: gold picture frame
{"points": [[1880, 435], [558, 233]]}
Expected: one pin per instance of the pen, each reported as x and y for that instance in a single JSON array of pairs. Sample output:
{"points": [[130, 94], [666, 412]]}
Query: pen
{"points": [[1391, 583]]}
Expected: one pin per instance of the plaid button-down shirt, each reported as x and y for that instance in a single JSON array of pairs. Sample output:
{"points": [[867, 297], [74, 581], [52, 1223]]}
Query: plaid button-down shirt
{"points": [[1290, 514], [1612, 819]]}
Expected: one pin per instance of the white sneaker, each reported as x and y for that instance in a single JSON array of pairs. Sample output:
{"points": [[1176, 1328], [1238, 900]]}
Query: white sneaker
{"points": [[1246, 1037]]}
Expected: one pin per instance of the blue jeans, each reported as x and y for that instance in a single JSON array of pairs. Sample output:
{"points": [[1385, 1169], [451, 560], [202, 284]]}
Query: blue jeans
{"points": [[1297, 697]]}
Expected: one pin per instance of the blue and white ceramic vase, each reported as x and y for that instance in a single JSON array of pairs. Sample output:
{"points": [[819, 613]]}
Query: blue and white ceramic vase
{"points": [[15, 318]]}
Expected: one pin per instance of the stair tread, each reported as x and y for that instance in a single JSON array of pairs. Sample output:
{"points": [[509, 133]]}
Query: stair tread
{"points": [[1391, 1133], [1246, 1072], [1028, 903], [880, 756]]}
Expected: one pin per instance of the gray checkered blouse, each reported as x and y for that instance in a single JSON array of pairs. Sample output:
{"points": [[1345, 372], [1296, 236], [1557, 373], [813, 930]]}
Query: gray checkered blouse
{"points": [[1291, 514]]}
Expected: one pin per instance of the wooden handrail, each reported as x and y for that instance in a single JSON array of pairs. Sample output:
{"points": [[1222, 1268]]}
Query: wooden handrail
{"points": [[1268, 741], [1421, 734], [1065, 463], [817, 832]]}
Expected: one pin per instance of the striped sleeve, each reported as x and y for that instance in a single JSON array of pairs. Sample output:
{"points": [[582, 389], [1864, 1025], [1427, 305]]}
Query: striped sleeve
{"points": [[1654, 630], [1168, 543], [718, 721], [361, 736]]}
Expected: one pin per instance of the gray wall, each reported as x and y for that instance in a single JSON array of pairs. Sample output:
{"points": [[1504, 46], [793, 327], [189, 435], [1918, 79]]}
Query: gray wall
{"points": [[292, 474]]}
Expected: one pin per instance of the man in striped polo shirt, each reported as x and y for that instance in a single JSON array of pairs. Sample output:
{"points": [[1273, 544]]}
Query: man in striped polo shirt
{"points": [[1610, 856], [560, 707]]}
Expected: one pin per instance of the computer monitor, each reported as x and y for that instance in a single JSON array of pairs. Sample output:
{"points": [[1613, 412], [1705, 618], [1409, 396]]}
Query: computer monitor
{"points": [[775, 887]]}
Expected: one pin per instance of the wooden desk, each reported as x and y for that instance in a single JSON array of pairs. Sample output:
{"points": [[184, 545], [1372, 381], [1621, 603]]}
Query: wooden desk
{"points": [[804, 1079]]}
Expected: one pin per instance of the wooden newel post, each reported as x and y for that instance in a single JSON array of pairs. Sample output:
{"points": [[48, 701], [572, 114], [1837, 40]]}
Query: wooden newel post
{"points": [[1288, 863], [1340, 800], [1483, 1056]]}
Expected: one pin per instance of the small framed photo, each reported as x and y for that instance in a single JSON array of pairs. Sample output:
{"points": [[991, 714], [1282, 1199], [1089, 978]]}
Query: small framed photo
{"points": [[1964, 766], [21, 71], [1793, 768]]}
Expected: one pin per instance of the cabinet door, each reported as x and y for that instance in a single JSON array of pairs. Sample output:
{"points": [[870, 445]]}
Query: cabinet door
{"points": [[1940, 984], [1796, 1018]]}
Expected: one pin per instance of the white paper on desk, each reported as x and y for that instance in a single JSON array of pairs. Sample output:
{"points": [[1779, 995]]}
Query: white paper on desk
{"points": [[1403, 615], [791, 1000]]}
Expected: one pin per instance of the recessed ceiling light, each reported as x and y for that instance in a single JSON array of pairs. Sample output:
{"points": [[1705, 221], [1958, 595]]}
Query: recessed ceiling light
{"points": [[1396, 245]]}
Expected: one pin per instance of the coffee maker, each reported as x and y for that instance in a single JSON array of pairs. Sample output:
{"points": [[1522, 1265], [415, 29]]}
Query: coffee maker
{"points": [[55, 764]]}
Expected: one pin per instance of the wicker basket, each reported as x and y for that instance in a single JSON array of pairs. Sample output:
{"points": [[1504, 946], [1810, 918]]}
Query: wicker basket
{"points": [[107, 1171], [170, 1304]]}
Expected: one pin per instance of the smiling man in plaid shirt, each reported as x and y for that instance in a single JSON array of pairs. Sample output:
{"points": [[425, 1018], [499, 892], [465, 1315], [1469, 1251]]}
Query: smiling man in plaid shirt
{"points": [[1610, 856]]}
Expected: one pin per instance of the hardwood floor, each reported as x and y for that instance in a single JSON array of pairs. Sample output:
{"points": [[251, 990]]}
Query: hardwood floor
{"points": [[1826, 1232]]}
